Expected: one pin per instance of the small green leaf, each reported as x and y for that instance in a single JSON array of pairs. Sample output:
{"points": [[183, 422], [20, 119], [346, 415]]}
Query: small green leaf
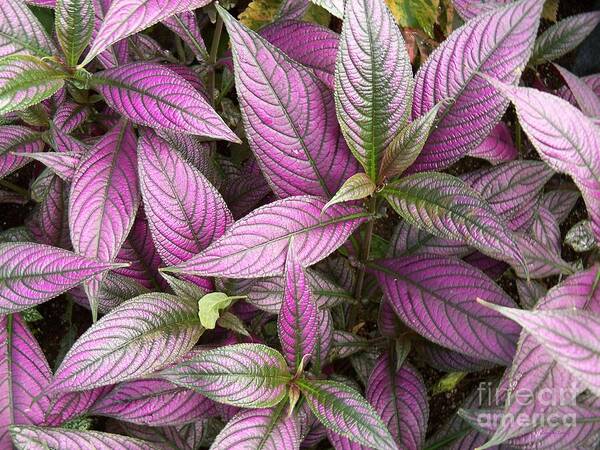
{"points": [[25, 81], [448, 382], [420, 14], [210, 305], [407, 145], [232, 322], [74, 25], [184, 289], [259, 13], [354, 188]]}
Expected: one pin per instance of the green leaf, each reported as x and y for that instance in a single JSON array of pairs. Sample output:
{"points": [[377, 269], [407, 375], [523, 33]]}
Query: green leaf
{"points": [[421, 14], [407, 144], [343, 410], [184, 289], [354, 188], [74, 25], [210, 305], [25, 81]]}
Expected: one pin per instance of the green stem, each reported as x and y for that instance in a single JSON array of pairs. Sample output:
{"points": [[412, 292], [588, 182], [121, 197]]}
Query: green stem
{"points": [[518, 136], [13, 187], [212, 59], [364, 256]]}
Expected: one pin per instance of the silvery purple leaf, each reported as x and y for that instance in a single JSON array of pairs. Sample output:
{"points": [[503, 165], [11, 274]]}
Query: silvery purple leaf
{"points": [[530, 292], [497, 43], [129, 342], [324, 340], [69, 115], [182, 437], [289, 118], [153, 95], [447, 207], [245, 375], [244, 188], [545, 230], [400, 397], [186, 27], [256, 246], [568, 335], [27, 80], [593, 81], [297, 320], [408, 240], [564, 137], [63, 164], [586, 98], [116, 54], [497, 147], [66, 406], [559, 203], [564, 36], [185, 212], [33, 273], [335, 7], [24, 374], [268, 429], [140, 252], [447, 360], [541, 260], [437, 297], [17, 139], [74, 23], [38, 438], [373, 81], [21, 32], [467, 9], [52, 216], [343, 410], [153, 403], [346, 344], [311, 45], [125, 18]]}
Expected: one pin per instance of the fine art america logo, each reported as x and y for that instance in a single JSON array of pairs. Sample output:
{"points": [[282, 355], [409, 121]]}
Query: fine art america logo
{"points": [[547, 406]]}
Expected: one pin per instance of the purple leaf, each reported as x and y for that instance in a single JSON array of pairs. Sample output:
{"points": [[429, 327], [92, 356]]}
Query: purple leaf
{"points": [[138, 337], [568, 335], [467, 9], [446, 360], [311, 45], [498, 43], [289, 118], [70, 115], [31, 274], [292, 9], [400, 397], [21, 32], [185, 212], [373, 81], [63, 164], [266, 294], [344, 411], [245, 375], [559, 203], [24, 373], [114, 55], [37, 438], [104, 198], [139, 250], [447, 207], [545, 230], [587, 100], [153, 95], [564, 36], [324, 340], [297, 321], [260, 428], [437, 297], [125, 18], [52, 216], [17, 139], [497, 147], [593, 81], [244, 188], [153, 403], [69, 405], [256, 246], [186, 27], [530, 292], [564, 137]]}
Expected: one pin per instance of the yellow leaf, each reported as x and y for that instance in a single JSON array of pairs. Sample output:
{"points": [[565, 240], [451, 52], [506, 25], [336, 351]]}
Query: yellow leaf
{"points": [[259, 13]]}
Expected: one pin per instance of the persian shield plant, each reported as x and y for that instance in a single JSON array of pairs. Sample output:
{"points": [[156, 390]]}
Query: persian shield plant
{"points": [[302, 233]]}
